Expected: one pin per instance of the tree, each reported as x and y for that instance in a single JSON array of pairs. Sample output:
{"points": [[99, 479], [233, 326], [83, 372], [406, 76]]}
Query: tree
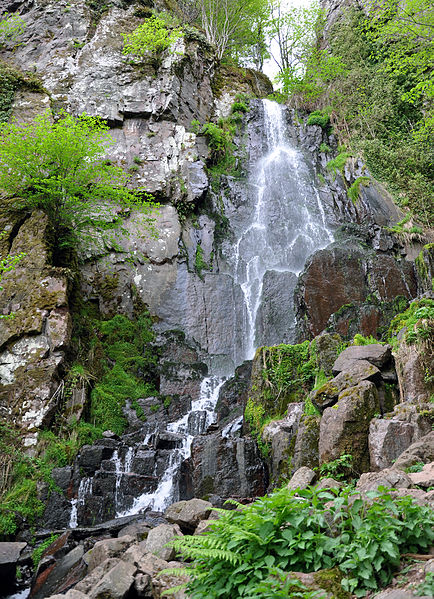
{"points": [[228, 24], [61, 169]]}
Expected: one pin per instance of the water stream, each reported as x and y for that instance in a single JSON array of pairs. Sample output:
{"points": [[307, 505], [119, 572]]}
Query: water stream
{"points": [[283, 225]]}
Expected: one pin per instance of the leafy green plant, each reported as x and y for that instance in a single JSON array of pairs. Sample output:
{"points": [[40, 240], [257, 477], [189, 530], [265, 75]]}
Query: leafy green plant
{"points": [[11, 28], [38, 552], [418, 467], [60, 168], [354, 189], [152, 37], [337, 164], [339, 469], [361, 340], [199, 262], [320, 118], [248, 551], [427, 586], [127, 366], [325, 148]]}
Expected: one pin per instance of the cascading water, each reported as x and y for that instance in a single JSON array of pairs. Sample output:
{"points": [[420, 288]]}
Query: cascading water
{"points": [[281, 224], [286, 226]]}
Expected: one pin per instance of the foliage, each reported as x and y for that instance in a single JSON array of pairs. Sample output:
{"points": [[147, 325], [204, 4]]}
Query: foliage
{"points": [[235, 27], [152, 37], [219, 137], [38, 552], [61, 169], [338, 163], [361, 340], [320, 118], [11, 28], [325, 148], [199, 262], [374, 73], [249, 549], [427, 586], [340, 469], [354, 189], [127, 362], [21, 474], [418, 467], [10, 80], [418, 320]]}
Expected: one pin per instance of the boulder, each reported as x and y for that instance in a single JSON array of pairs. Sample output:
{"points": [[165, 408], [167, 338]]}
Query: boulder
{"points": [[376, 354], [9, 556], [138, 530], [424, 478], [116, 584], [410, 366], [188, 514], [306, 443], [71, 594], [158, 538], [419, 451], [387, 440], [60, 575], [302, 478], [280, 434], [357, 371], [329, 483], [390, 477], [105, 549], [326, 345], [344, 427]]}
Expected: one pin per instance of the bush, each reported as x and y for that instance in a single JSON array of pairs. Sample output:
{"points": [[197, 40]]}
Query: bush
{"points": [[61, 169], [152, 36], [319, 117], [250, 549]]}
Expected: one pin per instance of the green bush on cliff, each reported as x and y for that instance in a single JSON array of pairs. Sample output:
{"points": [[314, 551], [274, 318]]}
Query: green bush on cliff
{"points": [[153, 36], [254, 548], [61, 169]]}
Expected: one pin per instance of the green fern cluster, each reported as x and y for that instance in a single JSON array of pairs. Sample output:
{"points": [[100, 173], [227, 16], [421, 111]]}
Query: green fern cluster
{"points": [[248, 552]]}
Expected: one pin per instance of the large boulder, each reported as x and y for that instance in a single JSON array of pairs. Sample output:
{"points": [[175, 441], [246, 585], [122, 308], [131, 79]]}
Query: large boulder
{"points": [[188, 514], [105, 549], [411, 365], [390, 477], [377, 354], [356, 372], [158, 538], [390, 436], [344, 427], [306, 443], [9, 555], [419, 451], [302, 478], [280, 434]]}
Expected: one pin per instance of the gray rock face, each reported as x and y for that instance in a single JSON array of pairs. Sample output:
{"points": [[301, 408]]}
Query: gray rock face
{"points": [[302, 478], [227, 467], [103, 550], [410, 367], [275, 321], [378, 355], [344, 427], [281, 435], [420, 451]]}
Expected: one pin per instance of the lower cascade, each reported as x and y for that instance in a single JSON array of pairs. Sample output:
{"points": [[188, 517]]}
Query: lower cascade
{"points": [[280, 224]]}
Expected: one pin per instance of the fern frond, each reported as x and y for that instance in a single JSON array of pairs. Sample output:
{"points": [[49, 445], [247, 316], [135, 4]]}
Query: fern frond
{"points": [[174, 572], [173, 590]]}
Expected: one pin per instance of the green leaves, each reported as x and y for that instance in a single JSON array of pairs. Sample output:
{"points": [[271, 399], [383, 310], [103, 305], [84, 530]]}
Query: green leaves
{"points": [[61, 168], [248, 553], [151, 37]]}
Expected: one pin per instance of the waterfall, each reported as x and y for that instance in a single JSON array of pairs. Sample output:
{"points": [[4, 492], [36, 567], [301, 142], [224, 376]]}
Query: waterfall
{"points": [[285, 227], [280, 223]]}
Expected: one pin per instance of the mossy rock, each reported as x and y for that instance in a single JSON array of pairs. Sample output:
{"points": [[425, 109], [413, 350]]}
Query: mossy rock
{"points": [[330, 581]]}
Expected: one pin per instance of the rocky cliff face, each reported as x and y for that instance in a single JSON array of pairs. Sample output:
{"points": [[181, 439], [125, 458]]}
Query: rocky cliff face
{"points": [[186, 275]]}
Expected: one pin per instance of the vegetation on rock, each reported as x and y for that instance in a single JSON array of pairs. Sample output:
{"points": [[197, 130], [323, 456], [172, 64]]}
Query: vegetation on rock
{"points": [[61, 169], [253, 550]]}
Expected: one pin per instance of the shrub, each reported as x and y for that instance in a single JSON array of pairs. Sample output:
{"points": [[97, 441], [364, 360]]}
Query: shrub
{"points": [[152, 36], [248, 550], [61, 169], [320, 118]]}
